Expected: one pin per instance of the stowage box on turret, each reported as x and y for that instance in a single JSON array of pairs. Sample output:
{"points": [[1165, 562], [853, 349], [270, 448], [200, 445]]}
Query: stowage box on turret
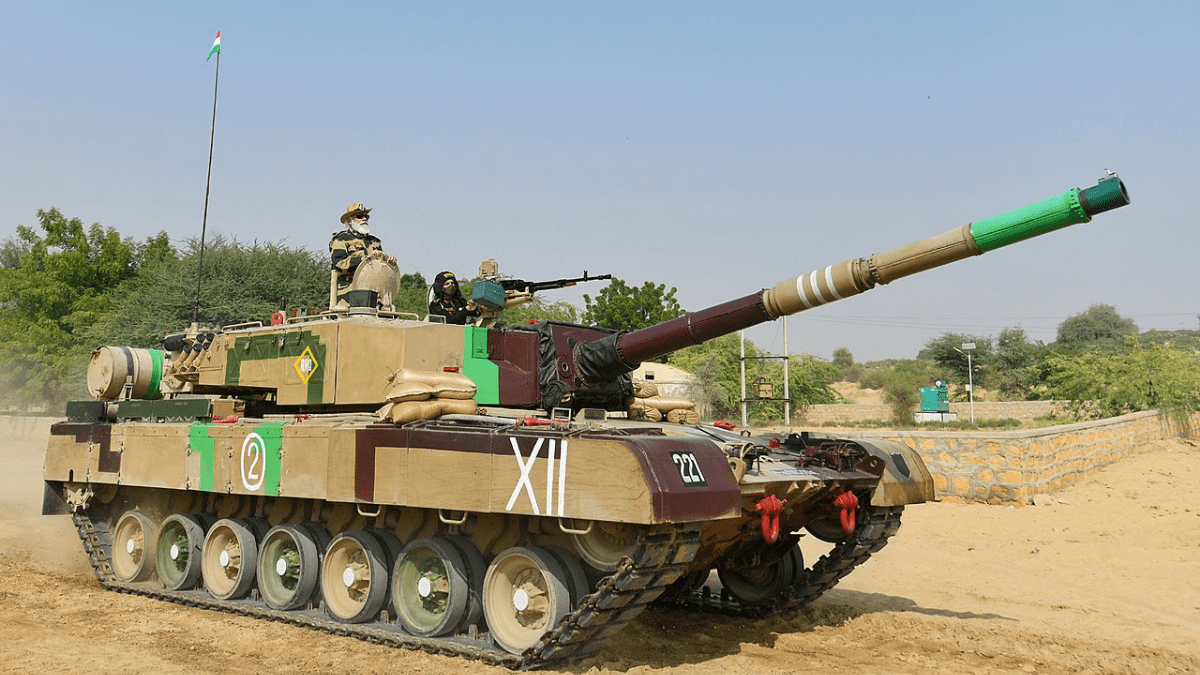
{"points": [[476, 490]]}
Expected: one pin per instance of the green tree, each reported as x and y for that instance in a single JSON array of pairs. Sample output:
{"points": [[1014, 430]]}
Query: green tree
{"points": [[716, 367], [541, 310], [413, 295], [1017, 369], [1098, 328], [716, 364], [53, 287], [12, 251], [809, 381], [847, 369], [1176, 339], [241, 282], [947, 352], [620, 306], [901, 385], [1140, 377], [842, 358]]}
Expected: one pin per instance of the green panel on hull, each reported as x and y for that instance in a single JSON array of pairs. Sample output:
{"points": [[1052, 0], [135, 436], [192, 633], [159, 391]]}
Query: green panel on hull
{"points": [[484, 373], [266, 347], [199, 441], [272, 436], [258, 461]]}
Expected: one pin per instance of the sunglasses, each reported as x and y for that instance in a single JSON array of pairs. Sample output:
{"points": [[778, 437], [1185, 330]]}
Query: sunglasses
{"points": [[362, 217]]}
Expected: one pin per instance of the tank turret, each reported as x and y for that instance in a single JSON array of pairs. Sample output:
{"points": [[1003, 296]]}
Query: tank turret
{"points": [[349, 360]]}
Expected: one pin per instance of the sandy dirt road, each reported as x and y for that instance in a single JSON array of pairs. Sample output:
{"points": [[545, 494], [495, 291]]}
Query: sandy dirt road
{"points": [[1104, 579]]}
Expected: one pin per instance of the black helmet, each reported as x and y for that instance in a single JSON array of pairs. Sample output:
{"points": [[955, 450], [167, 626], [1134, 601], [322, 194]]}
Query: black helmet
{"points": [[440, 280]]}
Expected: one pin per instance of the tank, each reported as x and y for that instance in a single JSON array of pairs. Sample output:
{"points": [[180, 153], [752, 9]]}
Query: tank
{"points": [[477, 490]]}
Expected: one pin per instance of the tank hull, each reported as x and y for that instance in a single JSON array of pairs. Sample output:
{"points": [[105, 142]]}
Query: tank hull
{"points": [[633, 510], [527, 471]]}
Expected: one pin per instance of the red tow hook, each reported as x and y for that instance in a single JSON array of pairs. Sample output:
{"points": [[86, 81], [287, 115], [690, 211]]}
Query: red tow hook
{"points": [[770, 507], [848, 503]]}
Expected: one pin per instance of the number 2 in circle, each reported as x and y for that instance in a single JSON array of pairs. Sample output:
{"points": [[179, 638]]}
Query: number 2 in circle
{"points": [[254, 459]]}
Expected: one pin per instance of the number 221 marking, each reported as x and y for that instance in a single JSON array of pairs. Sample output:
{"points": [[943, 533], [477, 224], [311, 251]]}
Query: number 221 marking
{"points": [[689, 469]]}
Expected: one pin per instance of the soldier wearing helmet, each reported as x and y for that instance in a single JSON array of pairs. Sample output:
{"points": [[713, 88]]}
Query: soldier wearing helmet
{"points": [[449, 302], [350, 247]]}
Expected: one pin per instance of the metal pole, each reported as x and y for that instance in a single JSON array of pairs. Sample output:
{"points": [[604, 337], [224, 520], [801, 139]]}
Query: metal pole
{"points": [[787, 392], [207, 183], [969, 347], [971, 386], [742, 336]]}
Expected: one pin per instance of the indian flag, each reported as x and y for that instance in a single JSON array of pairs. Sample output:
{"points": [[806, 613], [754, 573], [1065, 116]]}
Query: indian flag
{"points": [[216, 48]]}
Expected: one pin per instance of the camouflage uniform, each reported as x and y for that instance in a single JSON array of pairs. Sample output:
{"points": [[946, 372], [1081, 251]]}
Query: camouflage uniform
{"points": [[347, 250]]}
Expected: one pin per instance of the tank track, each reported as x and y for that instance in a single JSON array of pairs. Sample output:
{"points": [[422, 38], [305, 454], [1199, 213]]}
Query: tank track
{"points": [[872, 535], [661, 557]]}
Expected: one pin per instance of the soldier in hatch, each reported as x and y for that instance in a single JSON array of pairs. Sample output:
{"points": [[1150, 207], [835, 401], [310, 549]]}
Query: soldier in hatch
{"points": [[350, 247], [449, 302]]}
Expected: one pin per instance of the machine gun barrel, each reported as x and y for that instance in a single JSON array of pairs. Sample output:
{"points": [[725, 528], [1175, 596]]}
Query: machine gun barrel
{"points": [[538, 286], [624, 351]]}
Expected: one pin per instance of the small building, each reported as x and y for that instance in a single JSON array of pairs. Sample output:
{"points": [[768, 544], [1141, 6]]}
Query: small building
{"points": [[671, 381]]}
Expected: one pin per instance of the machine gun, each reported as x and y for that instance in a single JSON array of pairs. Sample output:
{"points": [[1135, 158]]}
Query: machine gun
{"points": [[521, 285], [493, 293]]}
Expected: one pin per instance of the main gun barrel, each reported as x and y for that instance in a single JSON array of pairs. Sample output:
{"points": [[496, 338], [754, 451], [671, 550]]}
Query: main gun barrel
{"points": [[851, 277]]}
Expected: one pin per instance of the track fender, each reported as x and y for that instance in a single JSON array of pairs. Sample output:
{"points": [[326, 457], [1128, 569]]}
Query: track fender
{"points": [[905, 479]]}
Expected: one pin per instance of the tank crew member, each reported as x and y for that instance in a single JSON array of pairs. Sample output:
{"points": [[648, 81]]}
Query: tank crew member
{"points": [[350, 247], [449, 302]]}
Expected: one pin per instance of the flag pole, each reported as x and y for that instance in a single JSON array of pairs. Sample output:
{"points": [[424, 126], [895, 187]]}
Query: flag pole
{"points": [[207, 184]]}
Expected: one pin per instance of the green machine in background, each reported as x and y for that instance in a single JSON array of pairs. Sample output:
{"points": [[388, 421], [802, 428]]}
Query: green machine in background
{"points": [[935, 399], [935, 405]]}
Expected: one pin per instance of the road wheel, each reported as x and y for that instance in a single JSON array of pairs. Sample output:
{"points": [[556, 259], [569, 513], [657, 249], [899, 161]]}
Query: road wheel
{"points": [[229, 559], [430, 587], [525, 595], [475, 571], [177, 554], [577, 581], [354, 577], [759, 585], [288, 567], [133, 546], [605, 544]]}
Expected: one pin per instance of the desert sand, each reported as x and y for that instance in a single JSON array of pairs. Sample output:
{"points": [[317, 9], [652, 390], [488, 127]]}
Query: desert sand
{"points": [[1102, 578]]}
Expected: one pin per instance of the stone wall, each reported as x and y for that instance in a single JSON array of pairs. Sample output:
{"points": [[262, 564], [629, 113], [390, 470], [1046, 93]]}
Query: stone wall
{"points": [[1013, 466], [1024, 411]]}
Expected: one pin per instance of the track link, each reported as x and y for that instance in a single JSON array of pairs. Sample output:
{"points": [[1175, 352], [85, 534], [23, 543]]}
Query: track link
{"points": [[660, 558], [879, 525]]}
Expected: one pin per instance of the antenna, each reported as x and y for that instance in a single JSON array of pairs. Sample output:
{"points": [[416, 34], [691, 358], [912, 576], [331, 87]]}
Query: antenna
{"points": [[208, 181]]}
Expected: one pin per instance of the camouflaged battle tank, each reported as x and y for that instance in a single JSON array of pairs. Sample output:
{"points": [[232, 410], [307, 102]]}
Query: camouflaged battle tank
{"points": [[476, 490]]}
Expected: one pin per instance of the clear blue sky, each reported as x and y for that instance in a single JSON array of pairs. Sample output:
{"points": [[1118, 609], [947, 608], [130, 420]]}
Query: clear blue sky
{"points": [[715, 147]]}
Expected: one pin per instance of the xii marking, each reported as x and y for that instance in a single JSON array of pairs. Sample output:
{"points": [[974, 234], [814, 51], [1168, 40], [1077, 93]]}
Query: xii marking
{"points": [[526, 479]]}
